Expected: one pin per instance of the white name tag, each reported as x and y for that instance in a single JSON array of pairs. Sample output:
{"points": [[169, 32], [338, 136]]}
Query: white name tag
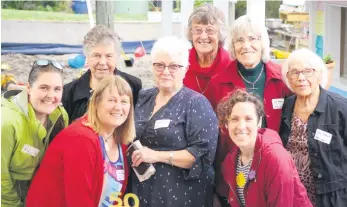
{"points": [[161, 123], [277, 103], [30, 150], [120, 175], [323, 136]]}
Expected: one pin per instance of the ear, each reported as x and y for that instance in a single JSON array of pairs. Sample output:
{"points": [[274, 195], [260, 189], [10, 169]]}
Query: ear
{"points": [[28, 87], [260, 122], [226, 126]]}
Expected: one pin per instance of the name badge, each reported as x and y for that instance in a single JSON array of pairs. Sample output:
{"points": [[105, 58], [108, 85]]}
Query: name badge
{"points": [[120, 175], [161, 123], [277, 103], [323, 136], [30, 150]]}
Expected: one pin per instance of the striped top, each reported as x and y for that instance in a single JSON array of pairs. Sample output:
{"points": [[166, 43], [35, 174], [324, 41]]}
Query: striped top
{"points": [[241, 178]]}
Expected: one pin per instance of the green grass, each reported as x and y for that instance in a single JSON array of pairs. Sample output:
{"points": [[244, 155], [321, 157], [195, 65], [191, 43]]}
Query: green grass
{"points": [[9, 14]]}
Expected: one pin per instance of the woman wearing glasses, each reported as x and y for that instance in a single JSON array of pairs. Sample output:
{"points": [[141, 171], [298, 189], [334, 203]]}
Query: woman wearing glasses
{"points": [[207, 32], [314, 129], [30, 119], [179, 130]]}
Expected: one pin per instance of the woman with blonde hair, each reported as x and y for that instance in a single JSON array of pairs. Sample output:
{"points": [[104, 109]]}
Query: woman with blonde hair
{"points": [[86, 164]]}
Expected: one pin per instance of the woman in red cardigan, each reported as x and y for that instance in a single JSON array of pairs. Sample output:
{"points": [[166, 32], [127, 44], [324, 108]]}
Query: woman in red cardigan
{"points": [[207, 32], [258, 169], [85, 165]]}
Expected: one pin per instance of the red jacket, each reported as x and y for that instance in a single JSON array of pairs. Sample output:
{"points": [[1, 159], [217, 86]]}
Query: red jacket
{"points": [[275, 182], [72, 171], [228, 80], [203, 75]]}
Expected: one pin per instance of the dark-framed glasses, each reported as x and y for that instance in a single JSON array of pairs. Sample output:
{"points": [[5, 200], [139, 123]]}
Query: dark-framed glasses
{"points": [[307, 72], [45, 62], [199, 31], [240, 41], [160, 67]]}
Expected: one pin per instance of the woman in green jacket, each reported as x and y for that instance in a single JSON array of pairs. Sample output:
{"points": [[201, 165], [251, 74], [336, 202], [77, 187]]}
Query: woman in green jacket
{"points": [[29, 120]]}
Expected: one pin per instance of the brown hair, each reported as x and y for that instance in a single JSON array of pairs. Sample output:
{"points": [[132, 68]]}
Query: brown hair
{"points": [[227, 104], [126, 132]]}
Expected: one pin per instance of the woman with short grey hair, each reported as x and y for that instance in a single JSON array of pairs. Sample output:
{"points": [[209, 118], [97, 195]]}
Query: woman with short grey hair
{"points": [[178, 129], [207, 33], [314, 129], [252, 69]]}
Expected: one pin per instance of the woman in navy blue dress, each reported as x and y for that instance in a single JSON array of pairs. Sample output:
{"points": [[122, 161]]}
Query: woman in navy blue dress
{"points": [[178, 129]]}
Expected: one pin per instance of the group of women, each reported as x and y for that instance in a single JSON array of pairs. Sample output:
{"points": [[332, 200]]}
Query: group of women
{"points": [[221, 128]]}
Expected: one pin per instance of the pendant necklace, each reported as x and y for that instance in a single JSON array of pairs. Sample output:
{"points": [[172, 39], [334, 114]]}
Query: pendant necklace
{"points": [[252, 83], [202, 91], [105, 141]]}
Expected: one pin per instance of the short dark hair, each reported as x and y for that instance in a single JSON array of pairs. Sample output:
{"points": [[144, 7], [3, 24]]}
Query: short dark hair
{"points": [[227, 104], [36, 70]]}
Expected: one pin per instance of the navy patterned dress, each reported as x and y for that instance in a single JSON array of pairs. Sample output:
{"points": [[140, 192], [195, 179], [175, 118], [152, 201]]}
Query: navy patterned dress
{"points": [[192, 126]]}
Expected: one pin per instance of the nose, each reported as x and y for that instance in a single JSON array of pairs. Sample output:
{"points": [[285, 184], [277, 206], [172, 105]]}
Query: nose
{"points": [[166, 70], [242, 125], [118, 106], [102, 60], [203, 35], [301, 77]]}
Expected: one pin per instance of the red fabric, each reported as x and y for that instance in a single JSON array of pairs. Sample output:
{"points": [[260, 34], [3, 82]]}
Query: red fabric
{"points": [[226, 81], [276, 182], [204, 74], [72, 171]]}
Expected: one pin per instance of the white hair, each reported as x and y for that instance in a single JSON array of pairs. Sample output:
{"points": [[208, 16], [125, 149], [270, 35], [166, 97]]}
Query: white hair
{"points": [[174, 46], [310, 60], [246, 24]]}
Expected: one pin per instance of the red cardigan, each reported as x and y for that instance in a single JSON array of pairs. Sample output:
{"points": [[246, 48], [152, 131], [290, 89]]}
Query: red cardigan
{"points": [[203, 75], [72, 171], [274, 181], [228, 80]]}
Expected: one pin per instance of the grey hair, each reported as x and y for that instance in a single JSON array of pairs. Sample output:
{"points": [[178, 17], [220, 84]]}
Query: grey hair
{"points": [[174, 46], [37, 70], [100, 34], [310, 60], [208, 14], [244, 25]]}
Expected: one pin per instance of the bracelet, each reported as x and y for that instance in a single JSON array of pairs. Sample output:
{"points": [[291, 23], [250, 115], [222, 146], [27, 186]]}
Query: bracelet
{"points": [[171, 157]]}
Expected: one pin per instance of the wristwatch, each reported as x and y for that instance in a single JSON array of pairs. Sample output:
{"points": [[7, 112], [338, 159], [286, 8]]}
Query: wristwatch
{"points": [[171, 154]]}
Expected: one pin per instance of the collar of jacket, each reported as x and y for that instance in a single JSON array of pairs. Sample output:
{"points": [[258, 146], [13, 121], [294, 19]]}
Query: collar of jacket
{"points": [[83, 87], [230, 75], [229, 164], [287, 112]]}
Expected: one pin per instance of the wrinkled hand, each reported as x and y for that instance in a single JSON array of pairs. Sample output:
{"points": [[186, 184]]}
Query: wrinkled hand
{"points": [[143, 155]]}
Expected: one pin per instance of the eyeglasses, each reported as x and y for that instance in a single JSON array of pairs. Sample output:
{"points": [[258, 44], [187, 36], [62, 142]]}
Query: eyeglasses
{"points": [[208, 31], [160, 67], [307, 72], [44, 63], [241, 41]]}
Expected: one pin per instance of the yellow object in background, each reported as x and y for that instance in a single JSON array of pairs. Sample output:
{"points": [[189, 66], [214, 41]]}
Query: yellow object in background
{"points": [[6, 79], [280, 54]]}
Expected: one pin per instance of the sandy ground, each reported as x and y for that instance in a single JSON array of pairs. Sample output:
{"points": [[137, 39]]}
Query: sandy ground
{"points": [[21, 65]]}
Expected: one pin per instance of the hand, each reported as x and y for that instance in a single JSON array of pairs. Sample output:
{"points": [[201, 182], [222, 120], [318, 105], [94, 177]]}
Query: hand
{"points": [[143, 155]]}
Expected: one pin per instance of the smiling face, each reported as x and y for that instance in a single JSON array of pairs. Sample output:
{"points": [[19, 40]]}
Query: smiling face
{"points": [[205, 38], [46, 92], [166, 80], [248, 49], [113, 109], [243, 124], [101, 60], [306, 81]]}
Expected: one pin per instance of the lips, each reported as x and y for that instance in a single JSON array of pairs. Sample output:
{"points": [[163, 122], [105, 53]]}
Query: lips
{"points": [[247, 53]]}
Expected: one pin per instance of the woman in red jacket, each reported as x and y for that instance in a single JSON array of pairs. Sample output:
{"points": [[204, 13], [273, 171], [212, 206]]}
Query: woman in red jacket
{"points": [[85, 165], [258, 170], [207, 33]]}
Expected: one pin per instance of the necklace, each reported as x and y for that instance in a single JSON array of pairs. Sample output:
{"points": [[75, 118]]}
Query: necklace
{"points": [[197, 81], [105, 141], [256, 80]]}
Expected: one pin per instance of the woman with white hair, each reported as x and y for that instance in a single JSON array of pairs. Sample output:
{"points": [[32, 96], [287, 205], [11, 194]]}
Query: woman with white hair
{"points": [[207, 32], [253, 70], [179, 130], [314, 129]]}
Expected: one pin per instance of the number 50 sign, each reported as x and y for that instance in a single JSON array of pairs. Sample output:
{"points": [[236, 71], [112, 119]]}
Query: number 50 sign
{"points": [[116, 197]]}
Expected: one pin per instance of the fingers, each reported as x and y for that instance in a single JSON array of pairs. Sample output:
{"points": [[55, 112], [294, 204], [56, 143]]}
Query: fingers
{"points": [[136, 158]]}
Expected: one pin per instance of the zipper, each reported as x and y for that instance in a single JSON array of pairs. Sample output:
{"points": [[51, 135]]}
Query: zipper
{"points": [[236, 196]]}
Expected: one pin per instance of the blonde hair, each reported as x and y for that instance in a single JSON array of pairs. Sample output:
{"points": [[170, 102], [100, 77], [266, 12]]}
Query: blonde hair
{"points": [[126, 132], [242, 26]]}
